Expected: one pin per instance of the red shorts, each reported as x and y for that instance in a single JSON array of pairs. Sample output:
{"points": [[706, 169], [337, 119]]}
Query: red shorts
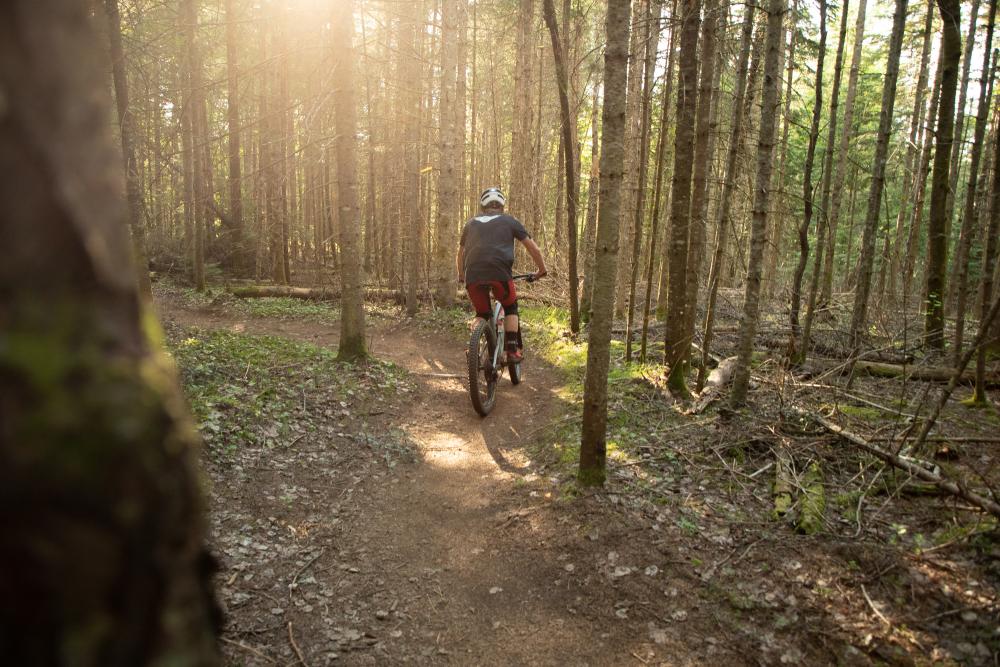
{"points": [[504, 292]]}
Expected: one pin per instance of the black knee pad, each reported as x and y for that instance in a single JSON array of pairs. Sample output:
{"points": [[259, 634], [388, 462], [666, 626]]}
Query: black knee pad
{"points": [[486, 316], [511, 309]]}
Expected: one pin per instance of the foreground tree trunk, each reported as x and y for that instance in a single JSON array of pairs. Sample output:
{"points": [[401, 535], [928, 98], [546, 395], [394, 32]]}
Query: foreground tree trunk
{"points": [[352, 319], [103, 540], [593, 441], [761, 201], [859, 315], [937, 224]]}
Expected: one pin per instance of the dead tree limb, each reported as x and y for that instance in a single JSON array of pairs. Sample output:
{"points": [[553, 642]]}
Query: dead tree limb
{"points": [[954, 488]]}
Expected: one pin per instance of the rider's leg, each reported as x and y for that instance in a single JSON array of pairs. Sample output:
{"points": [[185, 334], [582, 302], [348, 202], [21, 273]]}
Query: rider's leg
{"points": [[481, 302]]}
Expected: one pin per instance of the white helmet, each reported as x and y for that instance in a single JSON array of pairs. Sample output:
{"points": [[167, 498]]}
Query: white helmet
{"points": [[492, 196]]}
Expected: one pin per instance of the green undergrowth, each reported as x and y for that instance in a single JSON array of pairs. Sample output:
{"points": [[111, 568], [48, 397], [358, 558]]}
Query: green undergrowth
{"points": [[638, 417], [254, 391]]}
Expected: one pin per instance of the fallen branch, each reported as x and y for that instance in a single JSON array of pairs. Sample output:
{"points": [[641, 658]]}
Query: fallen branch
{"points": [[880, 369], [295, 647], [954, 488], [717, 380]]}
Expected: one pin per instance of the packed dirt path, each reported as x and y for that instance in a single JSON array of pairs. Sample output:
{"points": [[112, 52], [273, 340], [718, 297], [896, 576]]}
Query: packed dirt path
{"points": [[464, 557]]}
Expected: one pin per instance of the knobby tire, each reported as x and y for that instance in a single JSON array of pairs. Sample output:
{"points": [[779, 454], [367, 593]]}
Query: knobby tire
{"points": [[479, 360]]}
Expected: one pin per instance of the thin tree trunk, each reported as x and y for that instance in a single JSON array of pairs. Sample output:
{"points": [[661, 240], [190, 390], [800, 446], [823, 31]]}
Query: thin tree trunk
{"points": [[846, 134], [796, 344], [702, 165], [762, 192], [729, 185], [824, 210], [595, 392], [590, 226], [859, 314], [912, 153], [237, 258], [661, 163], [969, 211], [677, 343], [652, 39], [937, 225], [126, 124], [992, 250], [569, 141], [352, 320]]}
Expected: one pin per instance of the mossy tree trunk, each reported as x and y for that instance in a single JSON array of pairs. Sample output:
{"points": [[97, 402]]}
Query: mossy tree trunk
{"points": [[103, 540]]}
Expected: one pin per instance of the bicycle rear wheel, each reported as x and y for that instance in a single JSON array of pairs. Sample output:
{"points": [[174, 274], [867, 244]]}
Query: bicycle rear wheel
{"points": [[482, 375]]}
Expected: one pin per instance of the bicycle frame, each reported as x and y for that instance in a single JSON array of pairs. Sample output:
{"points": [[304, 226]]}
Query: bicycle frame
{"points": [[497, 321]]}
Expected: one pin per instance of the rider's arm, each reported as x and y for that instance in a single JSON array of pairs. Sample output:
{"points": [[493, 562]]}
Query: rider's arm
{"points": [[536, 255], [460, 263]]}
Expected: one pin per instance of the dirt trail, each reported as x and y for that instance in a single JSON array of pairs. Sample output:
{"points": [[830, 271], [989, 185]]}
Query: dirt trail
{"points": [[465, 557]]}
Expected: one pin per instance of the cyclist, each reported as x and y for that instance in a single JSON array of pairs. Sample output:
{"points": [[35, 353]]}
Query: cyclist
{"points": [[485, 259]]}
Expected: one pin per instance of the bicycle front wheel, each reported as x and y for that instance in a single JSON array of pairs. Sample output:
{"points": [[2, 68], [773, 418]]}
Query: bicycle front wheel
{"points": [[482, 375]]}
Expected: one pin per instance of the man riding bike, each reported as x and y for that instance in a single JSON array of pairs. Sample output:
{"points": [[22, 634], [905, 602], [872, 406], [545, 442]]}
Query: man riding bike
{"points": [[485, 259]]}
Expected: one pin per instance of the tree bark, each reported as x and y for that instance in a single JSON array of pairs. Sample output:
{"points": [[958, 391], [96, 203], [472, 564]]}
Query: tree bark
{"points": [[595, 393], [569, 140], [677, 340], [590, 225], [238, 260], [729, 185], [352, 320], [796, 344], [758, 234], [969, 210], [937, 225], [104, 533], [860, 312], [126, 124]]}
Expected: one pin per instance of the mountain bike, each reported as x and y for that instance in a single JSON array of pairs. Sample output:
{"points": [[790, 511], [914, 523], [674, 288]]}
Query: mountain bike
{"points": [[487, 357]]}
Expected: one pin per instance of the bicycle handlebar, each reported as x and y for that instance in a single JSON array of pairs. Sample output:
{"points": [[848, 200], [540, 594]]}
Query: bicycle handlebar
{"points": [[530, 277]]}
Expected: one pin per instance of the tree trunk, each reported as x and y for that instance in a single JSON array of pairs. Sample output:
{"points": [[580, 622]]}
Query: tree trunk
{"points": [[758, 234], [449, 208], [729, 185], [992, 250], [126, 124], [104, 533], [823, 227], [912, 153], [238, 260], [192, 99], [352, 319], [702, 165], [595, 391], [969, 210], [661, 163], [590, 225], [796, 344], [846, 134], [569, 140], [677, 340], [937, 224], [859, 314]]}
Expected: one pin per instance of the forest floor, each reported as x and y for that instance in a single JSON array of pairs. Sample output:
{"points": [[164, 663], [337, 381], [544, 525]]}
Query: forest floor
{"points": [[364, 514]]}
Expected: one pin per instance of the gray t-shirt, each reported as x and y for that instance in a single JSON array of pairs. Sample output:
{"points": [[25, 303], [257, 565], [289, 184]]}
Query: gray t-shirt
{"points": [[488, 241]]}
